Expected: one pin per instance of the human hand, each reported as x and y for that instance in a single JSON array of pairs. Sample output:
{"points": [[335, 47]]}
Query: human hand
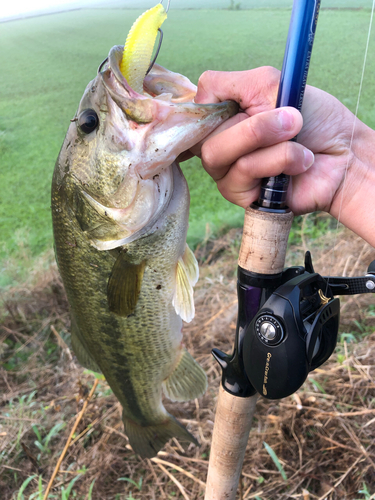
{"points": [[255, 144]]}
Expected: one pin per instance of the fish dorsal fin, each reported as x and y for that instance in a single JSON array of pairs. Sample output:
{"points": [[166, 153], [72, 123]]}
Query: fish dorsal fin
{"points": [[124, 285], [187, 381], [187, 273]]}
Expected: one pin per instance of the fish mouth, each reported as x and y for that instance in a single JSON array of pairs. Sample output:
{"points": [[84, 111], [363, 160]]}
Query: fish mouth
{"points": [[164, 121], [158, 82], [160, 86]]}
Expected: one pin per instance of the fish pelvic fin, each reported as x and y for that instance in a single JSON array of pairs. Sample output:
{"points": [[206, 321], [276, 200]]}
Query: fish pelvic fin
{"points": [[146, 441], [187, 273], [80, 351], [124, 286], [187, 381]]}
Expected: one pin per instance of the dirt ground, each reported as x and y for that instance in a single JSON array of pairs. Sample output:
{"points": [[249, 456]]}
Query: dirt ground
{"points": [[323, 436]]}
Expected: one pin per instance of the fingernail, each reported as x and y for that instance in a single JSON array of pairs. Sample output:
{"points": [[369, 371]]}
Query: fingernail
{"points": [[286, 119], [308, 158]]}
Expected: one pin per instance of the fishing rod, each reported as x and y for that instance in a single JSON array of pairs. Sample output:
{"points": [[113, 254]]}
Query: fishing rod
{"points": [[288, 318]]}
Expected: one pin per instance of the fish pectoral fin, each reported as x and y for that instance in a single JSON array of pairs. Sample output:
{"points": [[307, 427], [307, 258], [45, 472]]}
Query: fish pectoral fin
{"points": [[187, 273], [146, 441], [80, 351], [187, 381], [191, 265], [124, 286]]}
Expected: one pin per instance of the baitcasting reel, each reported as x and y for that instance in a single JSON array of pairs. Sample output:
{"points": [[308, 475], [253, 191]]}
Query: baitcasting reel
{"points": [[285, 329]]}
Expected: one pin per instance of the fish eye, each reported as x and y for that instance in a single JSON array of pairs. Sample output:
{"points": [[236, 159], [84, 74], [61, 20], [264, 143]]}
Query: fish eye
{"points": [[88, 121]]}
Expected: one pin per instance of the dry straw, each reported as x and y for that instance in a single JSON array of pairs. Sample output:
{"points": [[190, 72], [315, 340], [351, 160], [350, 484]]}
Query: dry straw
{"points": [[322, 436]]}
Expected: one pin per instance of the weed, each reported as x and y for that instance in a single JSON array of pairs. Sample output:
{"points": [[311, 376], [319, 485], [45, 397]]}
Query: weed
{"points": [[24, 485], [317, 385], [131, 481], [42, 443], [65, 493], [276, 461], [367, 495]]}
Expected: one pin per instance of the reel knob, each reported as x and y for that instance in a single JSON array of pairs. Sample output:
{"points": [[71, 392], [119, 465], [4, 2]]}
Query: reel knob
{"points": [[269, 329]]}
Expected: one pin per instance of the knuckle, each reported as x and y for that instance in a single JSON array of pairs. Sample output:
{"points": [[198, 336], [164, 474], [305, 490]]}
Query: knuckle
{"points": [[242, 166], [224, 190], [271, 76], [270, 79], [292, 154], [251, 130], [206, 78]]}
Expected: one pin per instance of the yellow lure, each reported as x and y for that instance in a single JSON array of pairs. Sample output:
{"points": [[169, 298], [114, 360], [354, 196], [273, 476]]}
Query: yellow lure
{"points": [[139, 46]]}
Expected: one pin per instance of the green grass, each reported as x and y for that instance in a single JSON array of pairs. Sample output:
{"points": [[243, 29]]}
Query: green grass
{"points": [[46, 63]]}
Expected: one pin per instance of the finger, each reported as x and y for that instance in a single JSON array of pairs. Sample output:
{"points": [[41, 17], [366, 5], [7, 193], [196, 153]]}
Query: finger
{"points": [[242, 182], [186, 155], [239, 117], [260, 131], [255, 90]]}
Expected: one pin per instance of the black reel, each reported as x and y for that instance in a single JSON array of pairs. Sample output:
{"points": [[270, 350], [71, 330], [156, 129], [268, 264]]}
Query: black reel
{"points": [[292, 331], [292, 334]]}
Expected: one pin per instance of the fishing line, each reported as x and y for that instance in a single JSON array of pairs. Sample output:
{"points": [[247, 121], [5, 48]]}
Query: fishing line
{"points": [[352, 137]]}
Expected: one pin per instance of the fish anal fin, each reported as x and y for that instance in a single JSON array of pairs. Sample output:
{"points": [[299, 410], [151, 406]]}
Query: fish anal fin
{"points": [[80, 351], [124, 286], [186, 276], [187, 381], [146, 441]]}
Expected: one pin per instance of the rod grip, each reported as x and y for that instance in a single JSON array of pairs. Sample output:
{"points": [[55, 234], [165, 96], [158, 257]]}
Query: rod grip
{"points": [[264, 241], [231, 433]]}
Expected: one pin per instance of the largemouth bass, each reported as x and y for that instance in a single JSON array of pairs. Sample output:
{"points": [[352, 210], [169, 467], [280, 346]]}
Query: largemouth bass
{"points": [[120, 215]]}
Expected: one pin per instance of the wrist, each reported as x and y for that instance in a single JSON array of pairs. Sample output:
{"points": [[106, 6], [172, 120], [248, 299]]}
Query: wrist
{"points": [[353, 203]]}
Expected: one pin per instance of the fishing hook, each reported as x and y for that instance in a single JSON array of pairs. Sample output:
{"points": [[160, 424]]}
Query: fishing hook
{"points": [[167, 9], [102, 64], [160, 40], [157, 50]]}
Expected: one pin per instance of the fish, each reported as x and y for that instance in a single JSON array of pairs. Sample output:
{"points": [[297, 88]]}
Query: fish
{"points": [[120, 205]]}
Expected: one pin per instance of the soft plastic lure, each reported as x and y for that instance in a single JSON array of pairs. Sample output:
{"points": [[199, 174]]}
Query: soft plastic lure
{"points": [[140, 45]]}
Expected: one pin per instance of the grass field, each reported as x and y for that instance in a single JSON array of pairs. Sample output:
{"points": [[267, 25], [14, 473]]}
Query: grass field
{"points": [[47, 61], [242, 4]]}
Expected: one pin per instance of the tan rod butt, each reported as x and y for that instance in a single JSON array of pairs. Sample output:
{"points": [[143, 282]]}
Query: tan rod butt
{"points": [[231, 433]]}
